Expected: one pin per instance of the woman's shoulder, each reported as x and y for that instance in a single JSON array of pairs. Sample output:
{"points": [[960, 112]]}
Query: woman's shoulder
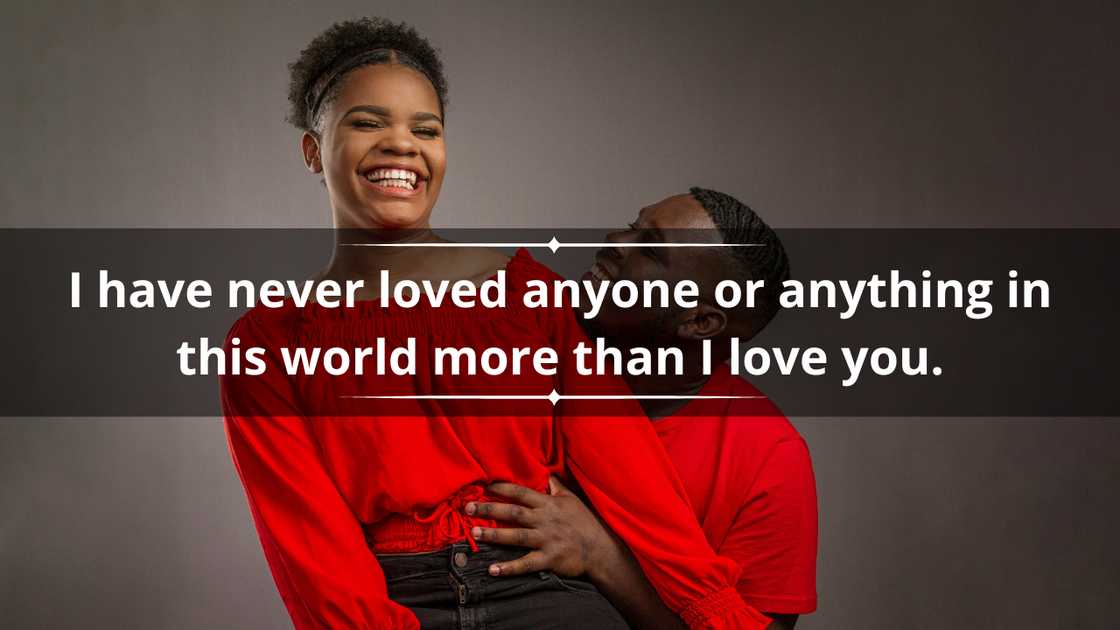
{"points": [[524, 266], [475, 263], [481, 263], [261, 324]]}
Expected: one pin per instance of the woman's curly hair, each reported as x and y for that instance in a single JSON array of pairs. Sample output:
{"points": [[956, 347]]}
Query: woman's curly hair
{"points": [[315, 75]]}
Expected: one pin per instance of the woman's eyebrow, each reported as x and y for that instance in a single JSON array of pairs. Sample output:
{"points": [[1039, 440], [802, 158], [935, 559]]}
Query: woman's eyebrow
{"points": [[426, 116], [381, 111], [368, 109]]}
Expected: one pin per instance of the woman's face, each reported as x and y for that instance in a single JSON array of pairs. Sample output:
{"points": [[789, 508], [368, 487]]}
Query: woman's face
{"points": [[381, 149]]}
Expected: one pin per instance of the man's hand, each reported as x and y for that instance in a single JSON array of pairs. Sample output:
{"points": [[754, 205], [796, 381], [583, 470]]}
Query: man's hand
{"points": [[564, 535]]}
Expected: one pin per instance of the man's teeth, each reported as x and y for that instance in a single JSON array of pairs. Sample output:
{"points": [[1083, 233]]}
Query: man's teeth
{"points": [[597, 272], [393, 178]]}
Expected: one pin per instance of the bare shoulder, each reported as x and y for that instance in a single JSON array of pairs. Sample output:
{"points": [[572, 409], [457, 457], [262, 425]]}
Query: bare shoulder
{"points": [[492, 257], [479, 263]]}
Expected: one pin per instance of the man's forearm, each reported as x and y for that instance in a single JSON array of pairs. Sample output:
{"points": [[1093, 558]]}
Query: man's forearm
{"points": [[619, 577]]}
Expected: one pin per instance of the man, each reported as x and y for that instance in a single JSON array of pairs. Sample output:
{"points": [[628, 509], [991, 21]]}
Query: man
{"points": [[745, 468]]}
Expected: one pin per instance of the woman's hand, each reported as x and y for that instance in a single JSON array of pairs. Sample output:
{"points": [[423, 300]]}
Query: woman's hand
{"points": [[564, 535]]}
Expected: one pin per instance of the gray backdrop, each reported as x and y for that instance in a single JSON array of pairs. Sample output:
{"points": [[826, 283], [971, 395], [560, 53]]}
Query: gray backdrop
{"points": [[575, 114]]}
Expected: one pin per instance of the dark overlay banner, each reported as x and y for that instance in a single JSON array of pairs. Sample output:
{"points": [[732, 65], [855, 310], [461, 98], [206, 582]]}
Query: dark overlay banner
{"points": [[980, 352]]}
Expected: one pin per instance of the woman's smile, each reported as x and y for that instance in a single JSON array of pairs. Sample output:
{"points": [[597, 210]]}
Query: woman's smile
{"points": [[393, 180]]}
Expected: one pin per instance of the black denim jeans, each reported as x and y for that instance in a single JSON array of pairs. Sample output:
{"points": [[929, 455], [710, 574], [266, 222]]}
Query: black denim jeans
{"points": [[451, 589]]}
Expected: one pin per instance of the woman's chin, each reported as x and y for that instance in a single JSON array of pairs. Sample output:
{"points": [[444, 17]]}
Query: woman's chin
{"points": [[399, 221], [389, 218]]}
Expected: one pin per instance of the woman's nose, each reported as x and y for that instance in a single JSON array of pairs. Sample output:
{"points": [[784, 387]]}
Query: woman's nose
{"points": [[398, 141]]}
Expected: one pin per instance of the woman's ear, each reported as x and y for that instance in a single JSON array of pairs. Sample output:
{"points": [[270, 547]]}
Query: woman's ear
{"points": [[309, 144], [703, 321]]}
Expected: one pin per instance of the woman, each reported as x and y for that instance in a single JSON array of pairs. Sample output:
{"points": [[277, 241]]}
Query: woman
{"points": [[360, 505]]}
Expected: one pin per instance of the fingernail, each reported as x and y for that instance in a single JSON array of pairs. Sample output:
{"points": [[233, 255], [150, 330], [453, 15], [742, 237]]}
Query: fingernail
{"points": [[495, 569], [471, 507], [476, 532]]}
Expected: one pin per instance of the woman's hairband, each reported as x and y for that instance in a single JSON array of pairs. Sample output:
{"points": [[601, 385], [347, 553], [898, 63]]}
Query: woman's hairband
{"points": [[322, 86]]}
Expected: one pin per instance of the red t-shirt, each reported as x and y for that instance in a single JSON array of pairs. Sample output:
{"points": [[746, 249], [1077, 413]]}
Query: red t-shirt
{"points": [[749, 478], [319, 467]]}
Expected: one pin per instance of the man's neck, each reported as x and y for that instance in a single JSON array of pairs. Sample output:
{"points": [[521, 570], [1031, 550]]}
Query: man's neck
{"points": [[687, 384]]}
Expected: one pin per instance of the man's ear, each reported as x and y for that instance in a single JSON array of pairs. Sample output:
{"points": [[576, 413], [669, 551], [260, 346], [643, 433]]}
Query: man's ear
{"points": [[309, 144], [703, 321]]}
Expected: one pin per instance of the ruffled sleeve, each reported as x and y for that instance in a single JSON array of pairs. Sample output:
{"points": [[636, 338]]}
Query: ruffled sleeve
{"points": [[326, 574], [614, 453]]}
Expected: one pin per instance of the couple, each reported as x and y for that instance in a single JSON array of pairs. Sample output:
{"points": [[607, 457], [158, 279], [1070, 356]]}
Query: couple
{"points": [[443, 514]]}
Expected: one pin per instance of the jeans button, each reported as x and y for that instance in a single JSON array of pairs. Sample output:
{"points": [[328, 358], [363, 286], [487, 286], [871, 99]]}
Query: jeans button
{"points": [[460, 559]]}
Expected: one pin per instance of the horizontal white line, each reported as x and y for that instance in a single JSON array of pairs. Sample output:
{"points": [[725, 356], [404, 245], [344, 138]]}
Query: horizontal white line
{"points": [[553, 397], [456, 397], [553, 246], [541, 397]]}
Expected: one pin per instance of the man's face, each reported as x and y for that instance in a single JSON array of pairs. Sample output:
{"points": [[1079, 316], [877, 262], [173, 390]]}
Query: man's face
{"points": [[679, 219]]}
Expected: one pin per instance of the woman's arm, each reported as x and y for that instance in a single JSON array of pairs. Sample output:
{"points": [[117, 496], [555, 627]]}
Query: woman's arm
{"points": [[620, 464], [617, 459], [325, 572]]}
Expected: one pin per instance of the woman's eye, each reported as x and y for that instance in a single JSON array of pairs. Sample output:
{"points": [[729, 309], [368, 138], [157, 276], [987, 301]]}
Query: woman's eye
{"points": [[426, 132], [368, 124]]}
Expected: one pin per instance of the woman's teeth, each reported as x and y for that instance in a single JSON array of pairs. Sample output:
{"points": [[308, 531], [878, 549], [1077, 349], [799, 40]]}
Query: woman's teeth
{"points": [[393, 178], [597, 272]]}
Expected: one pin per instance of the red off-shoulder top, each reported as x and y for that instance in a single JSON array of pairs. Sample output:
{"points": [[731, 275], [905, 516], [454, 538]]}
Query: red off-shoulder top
{"points": [[331, 479]]}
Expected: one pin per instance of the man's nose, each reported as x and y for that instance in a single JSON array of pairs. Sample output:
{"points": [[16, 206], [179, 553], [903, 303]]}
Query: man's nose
{"points": [[623, 236], [618, 237]]}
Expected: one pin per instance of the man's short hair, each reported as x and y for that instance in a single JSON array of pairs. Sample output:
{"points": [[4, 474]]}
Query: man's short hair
{"points": [[738, 223]]}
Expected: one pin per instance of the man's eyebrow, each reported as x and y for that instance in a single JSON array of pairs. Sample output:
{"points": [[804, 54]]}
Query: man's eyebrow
{"points": [[649, 231], [647, 228]]}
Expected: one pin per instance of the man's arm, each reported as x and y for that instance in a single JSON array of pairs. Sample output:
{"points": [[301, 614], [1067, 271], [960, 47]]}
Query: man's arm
{"points": [[775, 541], [567, 538]]}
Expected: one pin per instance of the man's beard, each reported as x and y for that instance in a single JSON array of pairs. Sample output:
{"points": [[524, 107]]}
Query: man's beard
{"points": [[635, 329]]}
